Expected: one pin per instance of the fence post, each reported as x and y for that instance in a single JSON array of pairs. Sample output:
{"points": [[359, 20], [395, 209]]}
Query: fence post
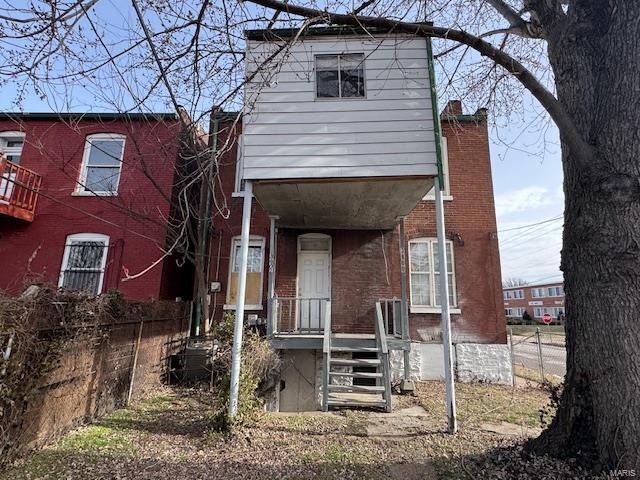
{"points": [[540, 354], [513, 358]]}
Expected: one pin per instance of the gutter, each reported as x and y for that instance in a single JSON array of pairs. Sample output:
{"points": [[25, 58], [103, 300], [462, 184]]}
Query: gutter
{"points": [[435, 112]]}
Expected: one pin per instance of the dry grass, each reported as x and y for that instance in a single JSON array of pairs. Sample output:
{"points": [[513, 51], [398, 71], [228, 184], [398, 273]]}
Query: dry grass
{"points": [[171, 436]]}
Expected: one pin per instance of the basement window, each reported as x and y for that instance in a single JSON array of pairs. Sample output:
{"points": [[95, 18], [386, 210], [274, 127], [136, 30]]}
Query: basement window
{"points": [[340, 76], [84, 262], [425, 275], [101, 164], [255, 264]]}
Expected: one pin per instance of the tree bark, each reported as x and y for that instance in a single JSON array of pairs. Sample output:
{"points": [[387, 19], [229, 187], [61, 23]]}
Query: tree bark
{"points": [[595, 54]]}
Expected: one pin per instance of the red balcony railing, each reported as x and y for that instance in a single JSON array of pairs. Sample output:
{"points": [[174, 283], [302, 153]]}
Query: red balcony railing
{"points": [[19, 188]]}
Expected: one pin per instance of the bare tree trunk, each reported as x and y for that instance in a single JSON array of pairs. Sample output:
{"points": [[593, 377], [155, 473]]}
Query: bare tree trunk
{"points": [[595, 54]]}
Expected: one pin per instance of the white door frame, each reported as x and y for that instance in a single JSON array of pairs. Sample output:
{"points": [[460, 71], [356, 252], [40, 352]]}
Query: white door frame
{"points": [[327, 252]]}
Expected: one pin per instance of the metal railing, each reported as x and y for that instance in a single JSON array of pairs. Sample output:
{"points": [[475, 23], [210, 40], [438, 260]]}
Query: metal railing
{"points": [[300, 316], [19, 188], [391, 309]]}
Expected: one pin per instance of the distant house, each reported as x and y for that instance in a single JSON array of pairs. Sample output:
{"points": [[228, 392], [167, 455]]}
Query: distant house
{"points": [[85, 198], [536, 299], [338, 144]]}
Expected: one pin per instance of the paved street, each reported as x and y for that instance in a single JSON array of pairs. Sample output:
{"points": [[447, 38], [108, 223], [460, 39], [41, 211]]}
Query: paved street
{"points": [[554, 357]]}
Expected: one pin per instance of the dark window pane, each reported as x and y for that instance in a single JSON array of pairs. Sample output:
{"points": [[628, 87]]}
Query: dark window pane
{"points": [[105, 152], [352, 83], [86, 281], [327, 84], [101, 179]]}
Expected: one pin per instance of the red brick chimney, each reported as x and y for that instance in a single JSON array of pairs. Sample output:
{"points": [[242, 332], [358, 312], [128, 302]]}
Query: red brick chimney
{"points": [[454, 107]]}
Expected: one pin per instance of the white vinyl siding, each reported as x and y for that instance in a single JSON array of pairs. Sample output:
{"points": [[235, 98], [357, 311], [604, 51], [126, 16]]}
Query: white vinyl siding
{"points": [[290, 133], [424, 273]]}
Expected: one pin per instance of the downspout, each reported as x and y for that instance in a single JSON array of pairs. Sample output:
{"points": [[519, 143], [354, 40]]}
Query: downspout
{"points": [[202, 307], [437, 131]]}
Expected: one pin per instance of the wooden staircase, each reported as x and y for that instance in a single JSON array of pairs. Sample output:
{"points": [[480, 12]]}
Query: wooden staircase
{"points": [[340, 363]]}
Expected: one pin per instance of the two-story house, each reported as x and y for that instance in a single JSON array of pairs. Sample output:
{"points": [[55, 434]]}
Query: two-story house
{"points": [[85, 201], [337, 147]]}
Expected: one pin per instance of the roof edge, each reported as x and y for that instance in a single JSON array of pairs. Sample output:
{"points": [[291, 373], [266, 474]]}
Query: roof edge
{"points": [[329, 30], [134, 116]]}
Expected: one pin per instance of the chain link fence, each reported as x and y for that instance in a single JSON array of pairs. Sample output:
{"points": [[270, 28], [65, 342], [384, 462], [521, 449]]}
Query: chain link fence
{"points": [[539, 355]]}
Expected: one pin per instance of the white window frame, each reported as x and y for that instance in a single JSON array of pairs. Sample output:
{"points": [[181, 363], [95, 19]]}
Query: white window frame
{"points": [[507, 295], [254, 241], [4, 139], [84, 237], [433, 308], [446, 193], [537, 290], [558, 291], [339, 97], [81, 188]]}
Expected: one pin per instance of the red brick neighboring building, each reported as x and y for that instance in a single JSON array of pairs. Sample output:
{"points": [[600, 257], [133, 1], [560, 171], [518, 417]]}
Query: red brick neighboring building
{"points": [[536, 299], [105, 194], [365, 264]]}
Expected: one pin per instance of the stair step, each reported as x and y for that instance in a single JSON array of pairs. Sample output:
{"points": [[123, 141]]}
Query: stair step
{"points": [[355, 349], [355, 403], [356, 362], [357, 388], [356, 374]]}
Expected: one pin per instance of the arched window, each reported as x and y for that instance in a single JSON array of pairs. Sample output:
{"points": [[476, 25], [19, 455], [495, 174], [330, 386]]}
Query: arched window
{"points": [[83, 262], [101, 164]]}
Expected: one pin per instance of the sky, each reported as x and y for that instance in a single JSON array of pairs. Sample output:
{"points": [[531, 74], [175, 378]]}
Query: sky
{"points": [[527, 182]]}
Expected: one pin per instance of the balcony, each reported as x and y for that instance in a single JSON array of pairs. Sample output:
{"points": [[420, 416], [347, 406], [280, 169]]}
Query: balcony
{"points": [[19, 188]]}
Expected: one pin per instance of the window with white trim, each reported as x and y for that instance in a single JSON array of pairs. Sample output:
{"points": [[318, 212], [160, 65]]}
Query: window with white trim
{"points": [[557, 291], [507, 295], [431, 194], [340, 76], [425, 275], [255, 269], [537, 292], [11, 145], [555, 312], [83, 262], [102, 163]]}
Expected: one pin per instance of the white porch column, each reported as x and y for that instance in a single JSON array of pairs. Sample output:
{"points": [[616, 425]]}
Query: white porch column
{"points": [[242, 287], [446, 315], [273, 251]]}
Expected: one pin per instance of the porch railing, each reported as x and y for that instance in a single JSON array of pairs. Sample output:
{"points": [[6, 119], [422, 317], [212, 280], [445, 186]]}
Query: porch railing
{"points": [[302, 316], [18, 190], [391, 311]]}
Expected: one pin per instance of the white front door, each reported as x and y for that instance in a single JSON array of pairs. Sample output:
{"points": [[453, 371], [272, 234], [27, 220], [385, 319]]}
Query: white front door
{"points": [[313, 288]]}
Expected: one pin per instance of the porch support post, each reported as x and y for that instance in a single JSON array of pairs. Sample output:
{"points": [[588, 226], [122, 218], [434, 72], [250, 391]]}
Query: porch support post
{"points": [[404, 304], [446, 315], [242, 287], [273, 251]]}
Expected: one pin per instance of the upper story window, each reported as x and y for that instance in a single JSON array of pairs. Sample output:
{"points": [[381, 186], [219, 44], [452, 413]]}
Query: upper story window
{"points": [[102, 163], [84, 262], [340, 76], [11, 144], [517, 294], [424, 271], [537, 292], [557, 291], [446, 192], [507, 295]]}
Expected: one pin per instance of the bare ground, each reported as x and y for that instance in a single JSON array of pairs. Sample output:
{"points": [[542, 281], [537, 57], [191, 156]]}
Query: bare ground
{"points": [[171, 436]]}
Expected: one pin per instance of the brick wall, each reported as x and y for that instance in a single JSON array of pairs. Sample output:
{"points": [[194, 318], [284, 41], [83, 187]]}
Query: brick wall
{"points": [[54, 149]]}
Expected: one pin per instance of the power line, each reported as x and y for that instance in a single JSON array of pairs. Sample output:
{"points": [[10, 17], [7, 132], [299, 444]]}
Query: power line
{"points": [[532, 224]]}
